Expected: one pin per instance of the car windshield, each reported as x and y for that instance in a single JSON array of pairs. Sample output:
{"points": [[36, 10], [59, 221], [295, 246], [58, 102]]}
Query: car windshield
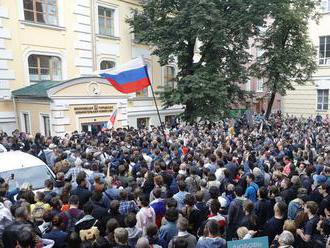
{"points": [[34, 175]]}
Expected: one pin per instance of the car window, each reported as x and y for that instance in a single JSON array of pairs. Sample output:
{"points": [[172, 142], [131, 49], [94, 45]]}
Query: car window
{"points": [[33, 175]]}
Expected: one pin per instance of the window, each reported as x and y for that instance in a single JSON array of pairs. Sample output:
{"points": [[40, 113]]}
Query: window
{"points": [[259, 53], [107, 64], [324, 53], [41, 11], [142, 123], [169, 119], [43, 67], [144, 92], [260, 85], [325, 5], [248, 85], [45, 122], [169, 77], [25, 120], [322, 99], [106, 21]]}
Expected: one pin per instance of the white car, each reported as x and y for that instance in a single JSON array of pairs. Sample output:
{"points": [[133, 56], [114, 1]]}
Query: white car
{"points": [[20, 167]]}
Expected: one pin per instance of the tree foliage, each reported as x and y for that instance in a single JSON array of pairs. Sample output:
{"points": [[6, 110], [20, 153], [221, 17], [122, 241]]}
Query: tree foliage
{"points": [[209, 41], [289, 55]]}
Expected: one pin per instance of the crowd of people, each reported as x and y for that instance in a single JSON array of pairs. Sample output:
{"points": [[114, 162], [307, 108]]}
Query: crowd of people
{"points": [[198, 185]]}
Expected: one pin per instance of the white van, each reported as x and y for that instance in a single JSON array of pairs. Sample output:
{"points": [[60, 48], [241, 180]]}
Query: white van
{"points": [[24, 168]]}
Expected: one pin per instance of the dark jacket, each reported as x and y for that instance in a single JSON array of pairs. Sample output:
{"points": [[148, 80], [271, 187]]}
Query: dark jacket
{"points": [[262, 208], [235, 212], [83, 193]]}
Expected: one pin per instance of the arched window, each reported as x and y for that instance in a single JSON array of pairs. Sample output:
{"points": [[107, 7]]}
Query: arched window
{"points": [[144, 92], [169, 77], [107, 64], [42, 67]]}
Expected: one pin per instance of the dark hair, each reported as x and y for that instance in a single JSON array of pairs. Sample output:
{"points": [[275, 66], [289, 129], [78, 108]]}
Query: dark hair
{"points": [[57, 221], [263, 192], [157, 192], [251, 176], [25, 239], [88, 208], [238, 190], [171, 203], [181, 185], [74, 200], [151, 230], [97, 196], [144, 199], [80, 177], [213, 227], [171, 214], [112, 224], [326, 226], [130, 220], [215, 206], [199, 196], [189, 199]]}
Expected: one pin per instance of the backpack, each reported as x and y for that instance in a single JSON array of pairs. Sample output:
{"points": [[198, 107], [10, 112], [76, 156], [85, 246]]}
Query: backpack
{"points": [[193, 185], [72, 220]]}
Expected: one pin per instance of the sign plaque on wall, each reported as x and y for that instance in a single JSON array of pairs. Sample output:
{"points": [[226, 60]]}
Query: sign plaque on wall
{"points": [[92, 109]]}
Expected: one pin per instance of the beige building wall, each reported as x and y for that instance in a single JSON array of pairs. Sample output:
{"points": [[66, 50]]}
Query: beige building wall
{"points": [[35, 110], [77, 41], [303, 100]]}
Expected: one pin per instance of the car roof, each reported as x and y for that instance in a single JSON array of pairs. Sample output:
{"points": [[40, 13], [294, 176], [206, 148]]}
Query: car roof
{"points": [[16, 160]]}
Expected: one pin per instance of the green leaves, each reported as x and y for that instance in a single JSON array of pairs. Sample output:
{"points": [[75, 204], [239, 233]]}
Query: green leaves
{"points": [[210, 41]]}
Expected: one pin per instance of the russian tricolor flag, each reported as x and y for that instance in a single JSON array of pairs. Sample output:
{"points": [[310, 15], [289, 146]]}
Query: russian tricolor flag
{"points": [[128, 78]]}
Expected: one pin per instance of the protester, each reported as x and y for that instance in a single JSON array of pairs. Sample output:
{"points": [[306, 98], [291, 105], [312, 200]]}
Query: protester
{"points": [[206, 184]]}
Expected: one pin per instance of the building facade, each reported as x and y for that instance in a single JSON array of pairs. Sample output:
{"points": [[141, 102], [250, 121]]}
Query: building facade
{"points": [[48, 51], [313, 98]]}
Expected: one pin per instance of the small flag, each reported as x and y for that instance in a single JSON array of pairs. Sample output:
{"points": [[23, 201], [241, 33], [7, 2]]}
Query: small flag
{"points": [[128, 78], [112, 120]]}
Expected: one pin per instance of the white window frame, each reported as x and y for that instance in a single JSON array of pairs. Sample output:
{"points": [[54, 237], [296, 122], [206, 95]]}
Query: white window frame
{"points": [[41, 123], [149, 66], [60, 14], [111, 60], [322, 103], [115, 19], [50, 73], [326, 61], [248, 85], [325, 6], [163, 73], [26, 55], [260, 85], [22, 121], [147, 121]]}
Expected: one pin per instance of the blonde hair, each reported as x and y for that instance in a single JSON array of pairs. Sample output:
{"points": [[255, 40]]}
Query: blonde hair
{"points": [[289, 225], [241, 232]]}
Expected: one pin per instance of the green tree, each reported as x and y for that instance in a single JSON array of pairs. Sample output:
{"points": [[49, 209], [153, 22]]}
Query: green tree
{"points": [[289, 55], [209, 41]]}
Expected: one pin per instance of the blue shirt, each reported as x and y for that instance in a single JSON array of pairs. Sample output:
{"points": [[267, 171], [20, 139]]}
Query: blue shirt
{"points": [[179, 197], [251, 192], [168, 231]]}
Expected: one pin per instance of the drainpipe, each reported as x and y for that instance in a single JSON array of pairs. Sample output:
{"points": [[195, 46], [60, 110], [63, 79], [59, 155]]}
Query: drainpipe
{"points": [[16, 114], [92, 8]]}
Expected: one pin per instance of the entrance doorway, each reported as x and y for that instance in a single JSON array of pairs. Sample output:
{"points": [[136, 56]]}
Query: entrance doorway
{"points": [[93, 127]]}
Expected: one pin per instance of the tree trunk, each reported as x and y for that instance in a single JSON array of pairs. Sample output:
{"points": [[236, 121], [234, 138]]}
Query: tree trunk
{"points": [[270, 104]]}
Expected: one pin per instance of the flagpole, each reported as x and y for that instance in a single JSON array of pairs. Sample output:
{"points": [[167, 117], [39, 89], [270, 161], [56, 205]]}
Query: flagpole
{"points": [[153, 95]]}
